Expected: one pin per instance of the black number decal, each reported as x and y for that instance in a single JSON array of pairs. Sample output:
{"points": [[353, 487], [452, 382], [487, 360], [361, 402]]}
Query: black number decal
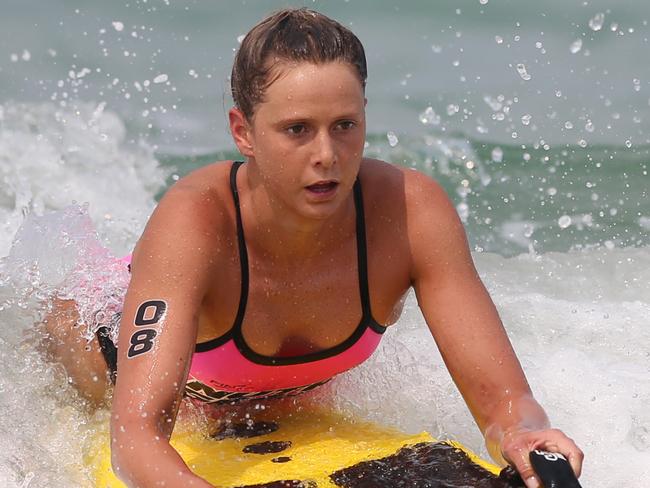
{"points": [[141, 342], [159, 308]]}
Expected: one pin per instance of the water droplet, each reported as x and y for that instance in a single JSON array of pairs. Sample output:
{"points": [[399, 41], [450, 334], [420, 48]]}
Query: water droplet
{"points": [[240, 38], [392, 139], [628, 144], [564, 221], [463, 211], [436, 49], [637, 84], [596, 22], [26, 55], [118, 26], [568, 125], [613, 27], [582, 143], [495, 105], [483, 2], [525, 119], [551, 191], [161, 78], [521, 69], [429, 117], [497, 154], [498, 39], [576, 46], [589, 126], [452, 109]]}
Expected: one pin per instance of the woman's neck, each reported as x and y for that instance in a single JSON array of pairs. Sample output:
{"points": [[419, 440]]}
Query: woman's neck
{"points": [[280, 232]]}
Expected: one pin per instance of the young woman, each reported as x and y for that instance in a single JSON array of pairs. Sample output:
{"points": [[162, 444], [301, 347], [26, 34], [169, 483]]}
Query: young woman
{"points": [[278, 273]]}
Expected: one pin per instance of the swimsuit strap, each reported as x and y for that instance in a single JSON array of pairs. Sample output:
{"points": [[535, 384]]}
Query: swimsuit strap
{"points": [[362, 254], [241, 243]]}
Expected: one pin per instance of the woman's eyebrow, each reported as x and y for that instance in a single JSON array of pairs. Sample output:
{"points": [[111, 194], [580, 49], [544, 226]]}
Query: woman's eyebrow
{"points": [[286, 120]]}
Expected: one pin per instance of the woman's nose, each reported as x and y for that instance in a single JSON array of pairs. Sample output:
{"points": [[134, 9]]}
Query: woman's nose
{"points": [[325, 153]]}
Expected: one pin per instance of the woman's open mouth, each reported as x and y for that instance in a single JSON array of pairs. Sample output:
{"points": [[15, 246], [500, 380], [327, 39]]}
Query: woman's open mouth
{"points": [[323, 188]]}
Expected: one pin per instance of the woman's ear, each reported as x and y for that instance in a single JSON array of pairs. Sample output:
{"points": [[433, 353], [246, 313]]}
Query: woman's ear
{"points": [[240, 130]]}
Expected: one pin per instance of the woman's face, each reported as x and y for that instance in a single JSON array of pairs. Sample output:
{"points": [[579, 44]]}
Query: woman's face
{"points": [[307, 136]]}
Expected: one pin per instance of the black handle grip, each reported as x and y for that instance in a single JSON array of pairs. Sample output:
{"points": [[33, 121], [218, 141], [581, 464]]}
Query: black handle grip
{"points": [[553, 470]]}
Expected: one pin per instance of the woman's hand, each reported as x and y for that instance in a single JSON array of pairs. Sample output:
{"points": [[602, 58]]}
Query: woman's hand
{"points": [[517, 443]]}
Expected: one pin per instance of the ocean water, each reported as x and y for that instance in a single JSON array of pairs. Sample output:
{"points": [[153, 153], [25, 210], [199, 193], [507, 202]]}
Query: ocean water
{"points": [[535, 117]]}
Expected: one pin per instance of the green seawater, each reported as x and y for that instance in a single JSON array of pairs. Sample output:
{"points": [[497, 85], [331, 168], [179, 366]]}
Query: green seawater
{"points": [[534, 116]]}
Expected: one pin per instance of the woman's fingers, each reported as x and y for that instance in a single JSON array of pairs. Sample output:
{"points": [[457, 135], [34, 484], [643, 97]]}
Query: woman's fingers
{"points": [[565, 446], [576, 457], [517, 454], [516, 447]]}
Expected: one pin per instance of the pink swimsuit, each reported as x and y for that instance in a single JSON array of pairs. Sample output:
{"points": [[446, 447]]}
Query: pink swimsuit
{"points": [[226, 369]]}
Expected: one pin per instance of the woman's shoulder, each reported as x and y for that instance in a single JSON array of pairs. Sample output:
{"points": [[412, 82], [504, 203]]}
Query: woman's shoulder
{"points": [[194, 212], [415, 206], [211, 178], [203, 190], [396, 185]]}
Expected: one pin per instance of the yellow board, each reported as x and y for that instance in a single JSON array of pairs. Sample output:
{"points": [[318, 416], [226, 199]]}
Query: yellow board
{"points": [[321, 443]]}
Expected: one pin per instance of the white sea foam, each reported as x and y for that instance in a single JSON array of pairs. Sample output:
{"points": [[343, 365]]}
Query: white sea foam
{"points": [[50, 157]]}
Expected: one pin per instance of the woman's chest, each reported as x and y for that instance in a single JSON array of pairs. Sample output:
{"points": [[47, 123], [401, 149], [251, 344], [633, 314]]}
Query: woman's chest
{"points": [[295, 308]]}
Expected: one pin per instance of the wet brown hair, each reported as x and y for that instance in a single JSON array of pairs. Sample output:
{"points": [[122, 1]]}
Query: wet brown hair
{"points": [[290, 35]]}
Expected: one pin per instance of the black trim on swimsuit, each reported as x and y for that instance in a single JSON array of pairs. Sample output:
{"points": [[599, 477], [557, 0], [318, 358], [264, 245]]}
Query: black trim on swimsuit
{"points": [[235, 332], [109, 351]]}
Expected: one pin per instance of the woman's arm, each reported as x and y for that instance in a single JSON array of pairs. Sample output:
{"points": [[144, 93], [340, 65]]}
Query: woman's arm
{"points": [[467, 329], [170, 272]]}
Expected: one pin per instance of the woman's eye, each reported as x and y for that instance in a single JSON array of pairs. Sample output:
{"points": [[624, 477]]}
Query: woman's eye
{"points": [[296, 130], [345, 125]]}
